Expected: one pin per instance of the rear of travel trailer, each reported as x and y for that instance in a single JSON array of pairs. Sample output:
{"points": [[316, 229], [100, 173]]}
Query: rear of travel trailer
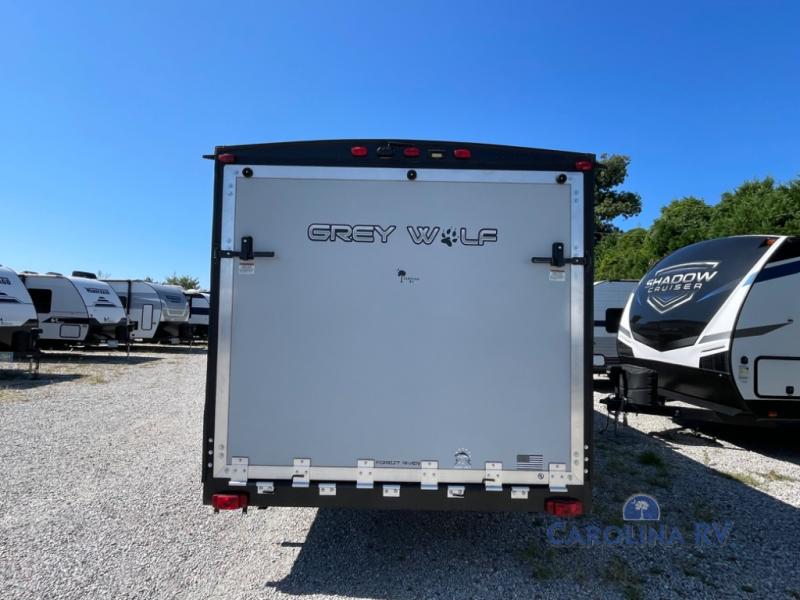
{"points": [[400, 324], [173, 327], [142, 305], [19, 325], [610, 298], [198, 312], [716, 325], [76, 310]]}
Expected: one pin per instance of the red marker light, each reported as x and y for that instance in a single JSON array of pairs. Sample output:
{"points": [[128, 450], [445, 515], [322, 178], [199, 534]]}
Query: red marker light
{"points": [[411, 152], [462, 153], [564, 507], [583, 165], [358, 150], [229, 501], [226, 159]]}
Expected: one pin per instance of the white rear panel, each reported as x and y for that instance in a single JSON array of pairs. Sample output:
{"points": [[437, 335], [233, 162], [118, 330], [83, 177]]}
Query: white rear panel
{"points": [[400, 351]]}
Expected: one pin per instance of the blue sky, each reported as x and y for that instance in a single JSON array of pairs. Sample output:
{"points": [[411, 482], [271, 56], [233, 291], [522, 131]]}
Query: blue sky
{"points": [[106, 108]]}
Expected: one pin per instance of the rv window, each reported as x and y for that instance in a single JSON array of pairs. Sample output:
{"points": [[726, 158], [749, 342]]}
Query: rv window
{"points": [[613, 316], [42, 299], [124, 300]]}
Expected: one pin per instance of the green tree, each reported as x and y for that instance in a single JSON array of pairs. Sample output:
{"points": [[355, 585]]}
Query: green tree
{"points": [[187, 282], [622, 255], [758, 206], [610, 202], [682, 222]]}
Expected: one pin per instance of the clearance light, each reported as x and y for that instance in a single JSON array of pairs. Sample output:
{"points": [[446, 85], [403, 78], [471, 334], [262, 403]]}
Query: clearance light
{"points": [[772, 413], [358, 150], [229, 501], [583, 165], [436, 154], [411, 152], [462, 153], [226, 159], [564, 507]]}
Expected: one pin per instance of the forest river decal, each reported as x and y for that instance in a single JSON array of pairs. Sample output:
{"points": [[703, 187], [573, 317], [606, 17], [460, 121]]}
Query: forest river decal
{"points": [[674, 286]]}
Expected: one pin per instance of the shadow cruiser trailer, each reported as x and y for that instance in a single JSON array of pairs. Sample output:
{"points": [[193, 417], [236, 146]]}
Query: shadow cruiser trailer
{"points": [[142, 305], [76, 310], [715, 325], [19, 325], [400, 324], [610, 298]]}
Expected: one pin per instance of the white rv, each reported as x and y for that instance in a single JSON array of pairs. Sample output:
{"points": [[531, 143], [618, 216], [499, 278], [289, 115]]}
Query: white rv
{"points": [[717, 325], [400, 324], [610, 298], [142, 305], [173, 327], [18, 321], [76, 310], [199, 303]]}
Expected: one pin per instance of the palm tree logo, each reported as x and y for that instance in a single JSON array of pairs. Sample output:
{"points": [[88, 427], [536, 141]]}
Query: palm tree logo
{"points": [[641, 507]]}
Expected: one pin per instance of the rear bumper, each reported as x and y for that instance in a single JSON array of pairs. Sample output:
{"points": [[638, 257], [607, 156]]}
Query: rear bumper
{"points": [[411, 497]]}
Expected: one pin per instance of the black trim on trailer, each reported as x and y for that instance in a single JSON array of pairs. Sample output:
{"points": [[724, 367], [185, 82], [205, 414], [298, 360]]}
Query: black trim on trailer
{"points": [[412, 497], [337, 153], [714, 390]]}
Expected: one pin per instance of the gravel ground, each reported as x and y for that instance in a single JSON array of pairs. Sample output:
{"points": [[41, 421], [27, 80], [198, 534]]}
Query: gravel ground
{"points": [[101, 499]]}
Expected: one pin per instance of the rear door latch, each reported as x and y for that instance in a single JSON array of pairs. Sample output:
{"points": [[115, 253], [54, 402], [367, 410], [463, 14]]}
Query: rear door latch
{"points": [[246, 252], [556, 259]]}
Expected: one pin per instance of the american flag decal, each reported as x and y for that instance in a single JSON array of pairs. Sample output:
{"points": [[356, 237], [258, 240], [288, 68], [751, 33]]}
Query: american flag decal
{"points": [[530, 462]]}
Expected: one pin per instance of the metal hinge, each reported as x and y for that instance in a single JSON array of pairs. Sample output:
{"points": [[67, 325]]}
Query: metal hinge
{"points": [[327, 489], [265, 487], [493, 477], [301, 475], [556, 259], [391, 490], [455, 491], [237, 471], [558, 477], [365, 479], [246, 252], [520, 492], [429, 476]]}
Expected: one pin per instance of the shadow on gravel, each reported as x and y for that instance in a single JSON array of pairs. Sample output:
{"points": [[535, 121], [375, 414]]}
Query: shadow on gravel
{"points": [[781, 444], [24, 382], [169, 349], [410, 555], [91, 358]]}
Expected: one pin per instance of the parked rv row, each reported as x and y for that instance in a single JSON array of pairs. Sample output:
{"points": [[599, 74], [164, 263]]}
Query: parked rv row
{"points": [[50, 310]]}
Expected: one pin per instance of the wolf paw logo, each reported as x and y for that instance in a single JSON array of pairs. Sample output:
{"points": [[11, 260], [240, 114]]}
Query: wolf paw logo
{"points": [[449, 237]]}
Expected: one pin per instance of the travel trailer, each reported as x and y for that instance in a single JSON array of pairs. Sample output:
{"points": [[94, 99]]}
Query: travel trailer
{"points": [[19, 325], [610, 298], [76, 310], [142, 305], [716, 325], [173, 326], [400, 324], [198, 312]]}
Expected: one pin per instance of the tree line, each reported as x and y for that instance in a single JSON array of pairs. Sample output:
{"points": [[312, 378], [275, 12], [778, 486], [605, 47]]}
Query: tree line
{"points": [[760, 206]]}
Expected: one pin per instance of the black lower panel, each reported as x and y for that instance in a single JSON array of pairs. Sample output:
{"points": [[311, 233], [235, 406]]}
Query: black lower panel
{"points": [[412, 497], [705, 388]]}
